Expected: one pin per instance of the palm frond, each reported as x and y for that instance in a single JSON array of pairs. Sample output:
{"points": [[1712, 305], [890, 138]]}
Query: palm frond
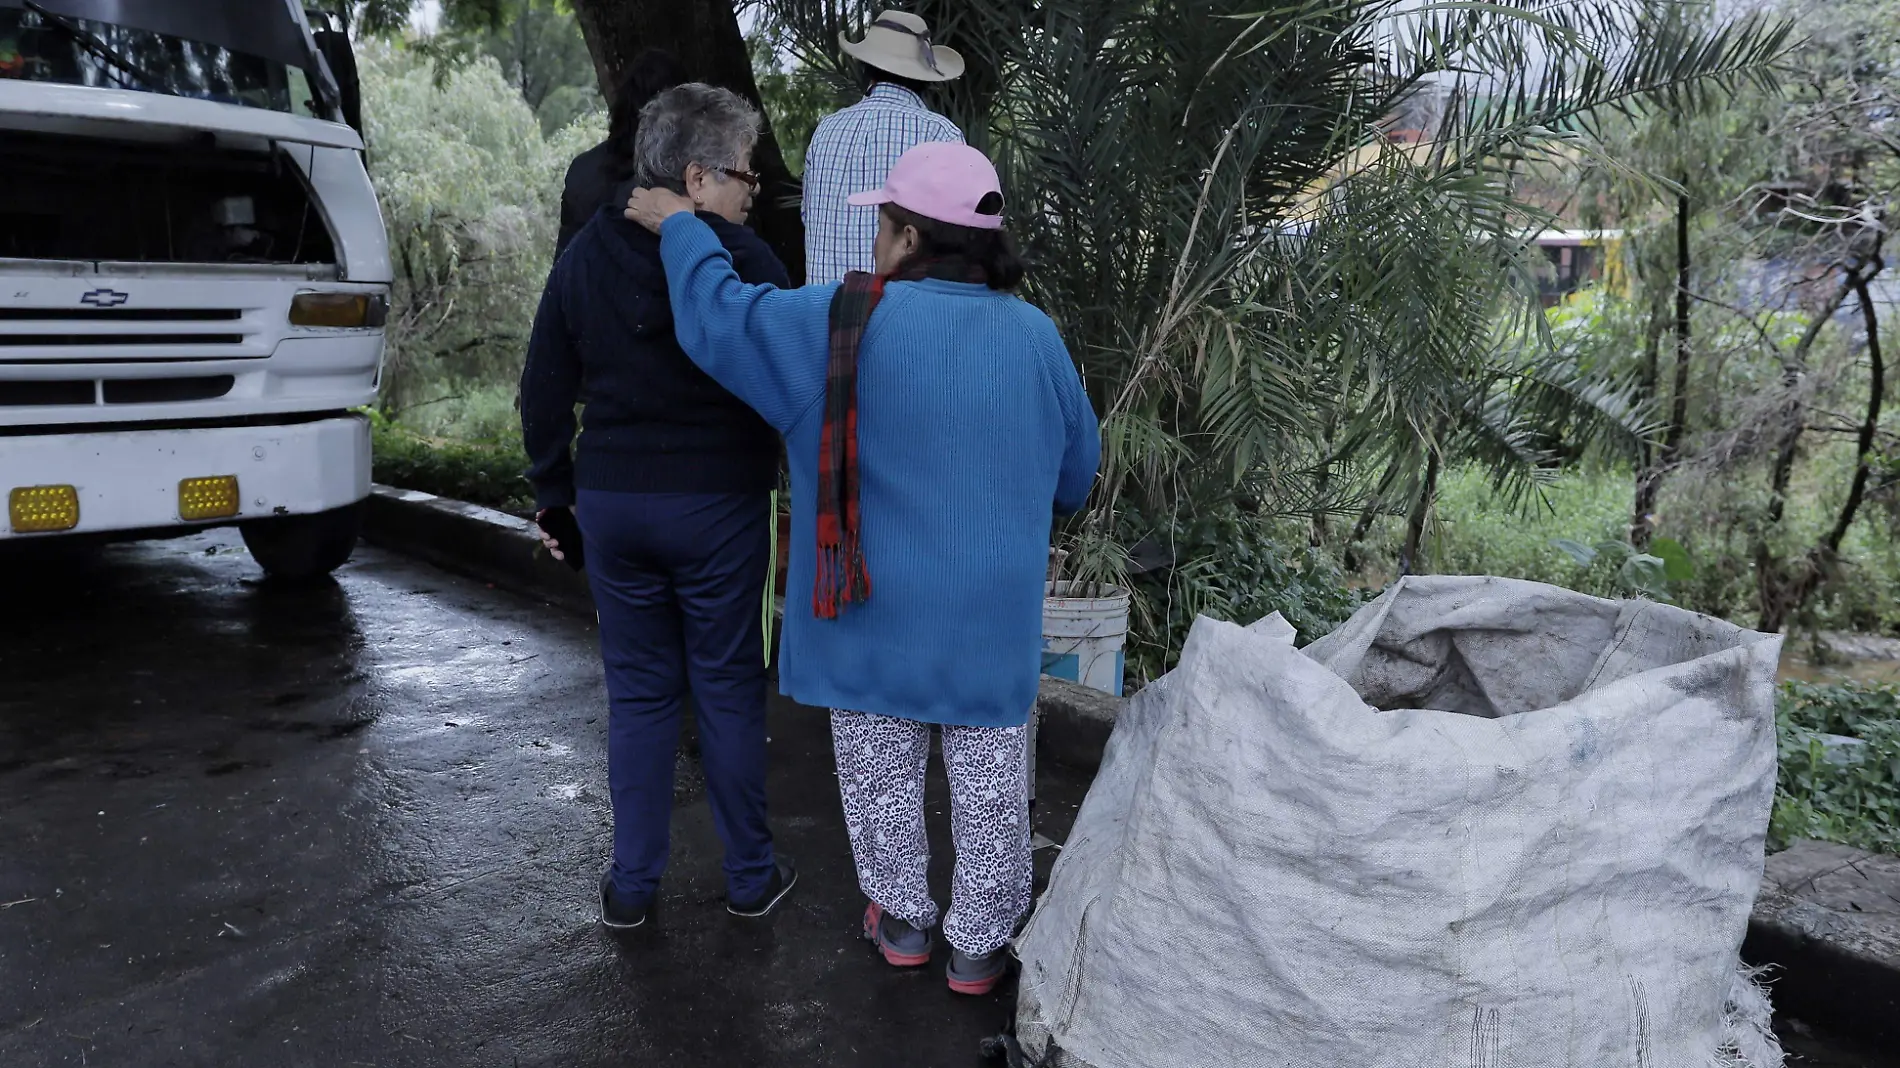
{"points": [[1268, 291]]}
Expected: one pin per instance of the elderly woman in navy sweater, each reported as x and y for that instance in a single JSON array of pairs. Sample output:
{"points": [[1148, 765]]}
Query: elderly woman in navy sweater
{"points": [[933, 423], [672, 477]]}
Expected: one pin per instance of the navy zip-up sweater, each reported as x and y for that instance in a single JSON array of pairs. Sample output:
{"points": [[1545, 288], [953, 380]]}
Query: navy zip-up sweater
{"points": [[653, 422]]}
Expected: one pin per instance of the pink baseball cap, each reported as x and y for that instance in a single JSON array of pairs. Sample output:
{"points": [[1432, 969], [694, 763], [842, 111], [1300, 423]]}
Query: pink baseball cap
{"points": [[940, 180]]}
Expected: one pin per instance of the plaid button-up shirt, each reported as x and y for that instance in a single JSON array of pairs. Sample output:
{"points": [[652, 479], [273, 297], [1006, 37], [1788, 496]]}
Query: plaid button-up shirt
{"points": [[851, 152]]}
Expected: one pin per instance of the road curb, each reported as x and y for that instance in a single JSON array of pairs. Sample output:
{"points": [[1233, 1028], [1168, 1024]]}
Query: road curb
{"points": [[1826, 918], [474, 541], [492, 546], [1074, 723]]}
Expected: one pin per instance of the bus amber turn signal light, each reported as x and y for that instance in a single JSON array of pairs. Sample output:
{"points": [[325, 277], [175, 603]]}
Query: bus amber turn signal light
{"points": [[42, 509], [208, 498]]}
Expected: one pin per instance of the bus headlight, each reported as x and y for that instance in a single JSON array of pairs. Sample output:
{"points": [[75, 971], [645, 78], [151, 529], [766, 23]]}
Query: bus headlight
{"points": [[350, 311]]}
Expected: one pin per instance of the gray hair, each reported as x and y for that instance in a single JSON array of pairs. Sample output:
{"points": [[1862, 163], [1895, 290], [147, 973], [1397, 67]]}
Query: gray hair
{"points": [[692, 123]]}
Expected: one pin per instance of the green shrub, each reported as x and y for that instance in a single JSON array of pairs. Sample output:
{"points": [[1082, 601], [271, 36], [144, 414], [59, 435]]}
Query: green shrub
{"points": [[466, 411], [1853, 799], [1478, 531], [470, 192], [488, 473], [1235, 567]]}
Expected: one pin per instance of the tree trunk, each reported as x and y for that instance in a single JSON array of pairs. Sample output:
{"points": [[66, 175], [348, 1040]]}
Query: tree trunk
{"points": [[1870, 426], [1679, 397], [1648, 477], [1349, 558], [1367, 516], [986, 37], [1786, 589], [705, 35], [1649, 487], [1421, 508], [1780, 590], [1319, 531]]}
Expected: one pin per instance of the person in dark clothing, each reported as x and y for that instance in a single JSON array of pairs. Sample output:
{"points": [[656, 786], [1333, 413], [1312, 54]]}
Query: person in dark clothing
{"points": [[596, 173], [670, 483]]}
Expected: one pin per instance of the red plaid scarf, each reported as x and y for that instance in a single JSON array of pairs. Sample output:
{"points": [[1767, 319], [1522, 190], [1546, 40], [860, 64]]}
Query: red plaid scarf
{"points": [[842, 575]]}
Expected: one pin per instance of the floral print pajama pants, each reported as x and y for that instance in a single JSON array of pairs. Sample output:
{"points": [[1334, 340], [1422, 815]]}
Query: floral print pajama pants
{"points": [[881, 762]]}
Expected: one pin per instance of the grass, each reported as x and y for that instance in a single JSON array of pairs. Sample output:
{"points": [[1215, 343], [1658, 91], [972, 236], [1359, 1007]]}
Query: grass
{"points": [[1849, 795], [488, 472], [1479, 532]]}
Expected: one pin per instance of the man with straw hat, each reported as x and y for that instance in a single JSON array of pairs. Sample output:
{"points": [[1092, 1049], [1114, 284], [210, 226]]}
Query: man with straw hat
{"points": [[854, 149]]}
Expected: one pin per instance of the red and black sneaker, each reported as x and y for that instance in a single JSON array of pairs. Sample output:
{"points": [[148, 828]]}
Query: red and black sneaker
{"points": [[977, 975], [902, 945]]}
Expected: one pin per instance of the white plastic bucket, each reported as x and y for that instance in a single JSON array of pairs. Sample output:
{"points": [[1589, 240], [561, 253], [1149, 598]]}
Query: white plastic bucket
{"points": [[1082, 636]]}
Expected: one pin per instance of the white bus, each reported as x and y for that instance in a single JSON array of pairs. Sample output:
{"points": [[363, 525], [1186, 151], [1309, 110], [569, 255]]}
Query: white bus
{"points": [[194, 276]]}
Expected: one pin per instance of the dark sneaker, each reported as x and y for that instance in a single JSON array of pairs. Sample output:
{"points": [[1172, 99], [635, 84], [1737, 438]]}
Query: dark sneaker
{"points": [[784, 877], [617, 912], [902, 945], [977, 975]]}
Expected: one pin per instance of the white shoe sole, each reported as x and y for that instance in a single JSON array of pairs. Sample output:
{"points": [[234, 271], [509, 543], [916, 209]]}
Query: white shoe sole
{"points": [[605, 922], [766, 909]]}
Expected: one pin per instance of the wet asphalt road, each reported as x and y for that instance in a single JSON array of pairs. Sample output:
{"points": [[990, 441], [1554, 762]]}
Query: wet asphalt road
{"points": [[362, 825]]}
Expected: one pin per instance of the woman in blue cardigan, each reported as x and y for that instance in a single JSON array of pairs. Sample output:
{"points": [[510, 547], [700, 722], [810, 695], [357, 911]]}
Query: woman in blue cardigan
{"points": [[934, 424]]}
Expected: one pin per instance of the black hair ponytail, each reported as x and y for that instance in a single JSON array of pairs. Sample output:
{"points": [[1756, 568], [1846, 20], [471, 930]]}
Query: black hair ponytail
{"points": [[994, 252]]}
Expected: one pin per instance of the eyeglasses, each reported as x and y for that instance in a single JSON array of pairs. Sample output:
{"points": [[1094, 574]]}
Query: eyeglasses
{"points": [[747, 177]]}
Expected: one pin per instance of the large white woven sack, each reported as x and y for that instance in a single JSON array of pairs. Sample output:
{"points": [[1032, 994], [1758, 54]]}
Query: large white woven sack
{"points": [[1485, 824]]}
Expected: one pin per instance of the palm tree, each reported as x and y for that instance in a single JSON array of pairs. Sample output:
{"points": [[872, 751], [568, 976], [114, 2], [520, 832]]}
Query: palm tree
{"points": [[1285, 246]]}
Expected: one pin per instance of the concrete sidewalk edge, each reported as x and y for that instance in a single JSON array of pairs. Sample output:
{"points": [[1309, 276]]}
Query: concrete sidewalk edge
{"points": [[474, 541], [1074, 723], [1825, 919]]}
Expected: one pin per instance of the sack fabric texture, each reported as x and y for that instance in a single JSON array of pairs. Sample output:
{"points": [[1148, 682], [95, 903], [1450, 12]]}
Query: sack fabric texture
{"points": [[1486, 823]]}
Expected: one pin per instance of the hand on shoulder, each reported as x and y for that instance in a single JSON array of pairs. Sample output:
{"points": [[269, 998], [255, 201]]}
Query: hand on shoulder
{"points": [[652, 207]]}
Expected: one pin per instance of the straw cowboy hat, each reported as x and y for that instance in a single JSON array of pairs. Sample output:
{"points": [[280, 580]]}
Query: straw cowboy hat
{"points": [[898, 42]]}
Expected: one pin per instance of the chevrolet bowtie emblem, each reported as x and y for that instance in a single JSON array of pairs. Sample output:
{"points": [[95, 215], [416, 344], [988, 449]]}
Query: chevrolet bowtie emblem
{"points": [[105, 298]]}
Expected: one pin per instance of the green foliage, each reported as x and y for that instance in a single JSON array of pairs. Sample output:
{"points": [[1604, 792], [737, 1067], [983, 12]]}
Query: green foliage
{"points": [[1782, 194], [540, 49], [1638, 572], [1849, 795], [795, 96], [1234, 566], [469, 188], [470, 191], [1844, 708], [1479, 529], [483, 472], [1267, 295]]}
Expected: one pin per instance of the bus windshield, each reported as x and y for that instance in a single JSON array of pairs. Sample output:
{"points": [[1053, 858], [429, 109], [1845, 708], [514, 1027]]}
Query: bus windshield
{"points": [[36, 47]]}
